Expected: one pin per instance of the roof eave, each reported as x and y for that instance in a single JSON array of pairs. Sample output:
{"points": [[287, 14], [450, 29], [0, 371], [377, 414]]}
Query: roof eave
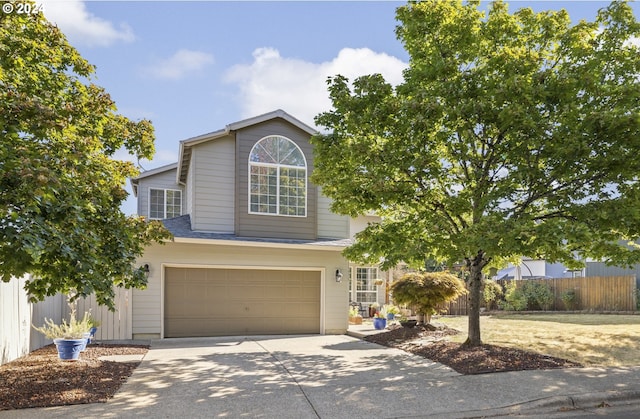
{"points": [[300, 246]]}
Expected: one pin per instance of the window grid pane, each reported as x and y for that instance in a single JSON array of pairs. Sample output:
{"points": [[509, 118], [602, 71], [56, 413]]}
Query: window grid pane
{"points": [[156, 203], [164, 203], [174, 204], [292, 191], [365, 287], [264, 189]]}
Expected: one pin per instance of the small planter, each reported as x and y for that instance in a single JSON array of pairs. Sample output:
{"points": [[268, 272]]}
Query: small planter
{"points": [[355, 320], [69, 349], [379, 324], [92, 334], [409, 323], [391, 316]]}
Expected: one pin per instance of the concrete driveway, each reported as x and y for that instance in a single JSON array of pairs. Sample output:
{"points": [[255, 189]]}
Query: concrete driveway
{"points": [[271, 377], [334, 376]]}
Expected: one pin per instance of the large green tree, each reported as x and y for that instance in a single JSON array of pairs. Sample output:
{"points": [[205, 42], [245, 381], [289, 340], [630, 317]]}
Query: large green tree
{"points": [[60, 186], [513, 134]]}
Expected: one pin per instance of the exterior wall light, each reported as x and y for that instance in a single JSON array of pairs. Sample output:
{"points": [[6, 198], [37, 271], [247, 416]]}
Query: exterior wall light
{"points": [[338, 275]]}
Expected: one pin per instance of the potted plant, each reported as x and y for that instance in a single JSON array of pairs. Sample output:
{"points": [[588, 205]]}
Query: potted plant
{"points": [[93, 328], [391, 311], [373, 309], [408, 323], [379, 321], [354, 315], [70, 338]]}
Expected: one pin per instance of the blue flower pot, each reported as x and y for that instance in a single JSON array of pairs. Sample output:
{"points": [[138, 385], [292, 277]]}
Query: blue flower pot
{"points": [[92, 334], [379, 323], [87, 340], [391, 316], [69, 349]]}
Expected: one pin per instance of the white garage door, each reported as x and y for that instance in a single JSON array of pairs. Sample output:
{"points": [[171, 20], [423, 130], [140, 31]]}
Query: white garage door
{"points": [[225, 302]]}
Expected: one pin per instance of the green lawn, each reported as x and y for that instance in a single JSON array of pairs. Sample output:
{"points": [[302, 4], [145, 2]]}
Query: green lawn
{"points": [[591, 339]]}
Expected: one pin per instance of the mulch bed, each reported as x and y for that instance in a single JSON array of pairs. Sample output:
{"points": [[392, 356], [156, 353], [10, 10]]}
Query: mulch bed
{"points": [[429, 342], [40, 379]]}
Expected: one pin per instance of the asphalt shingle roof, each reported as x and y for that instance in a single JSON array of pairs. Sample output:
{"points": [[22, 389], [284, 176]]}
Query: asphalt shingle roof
{"points": [[181, 227]]}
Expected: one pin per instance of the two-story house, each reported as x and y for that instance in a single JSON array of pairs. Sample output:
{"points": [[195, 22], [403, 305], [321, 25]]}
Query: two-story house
{"points": [[256, 249]]}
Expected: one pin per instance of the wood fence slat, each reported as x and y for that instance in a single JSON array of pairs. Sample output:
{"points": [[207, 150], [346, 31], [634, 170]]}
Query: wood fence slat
{"points": [[594, 293]]}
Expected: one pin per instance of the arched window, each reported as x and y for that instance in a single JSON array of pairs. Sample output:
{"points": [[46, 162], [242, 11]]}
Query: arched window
{"points": [[277, 178]]}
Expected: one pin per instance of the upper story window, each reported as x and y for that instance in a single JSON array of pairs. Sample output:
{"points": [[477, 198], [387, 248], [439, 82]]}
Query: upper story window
{"points": [[165, 203], [277, 178]]}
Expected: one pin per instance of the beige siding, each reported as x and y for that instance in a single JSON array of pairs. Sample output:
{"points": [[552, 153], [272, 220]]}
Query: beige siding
{"points": [[250, 225], [330, 225], [148, 304], [213, 168], [163, 180]]}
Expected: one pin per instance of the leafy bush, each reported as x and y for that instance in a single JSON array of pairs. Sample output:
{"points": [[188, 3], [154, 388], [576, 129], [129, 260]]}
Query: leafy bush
{"points": [[539, 295], [514, 298], [426, 290], [530, 295], [491, 293], [570, 299]]}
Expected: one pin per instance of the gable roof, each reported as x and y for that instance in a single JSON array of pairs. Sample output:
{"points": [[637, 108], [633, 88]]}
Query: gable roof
{"points": [[186, 145], [150, 172]]}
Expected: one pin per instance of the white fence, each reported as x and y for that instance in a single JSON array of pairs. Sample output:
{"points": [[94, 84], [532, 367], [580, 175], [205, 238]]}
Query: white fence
{"points": [[17, 337]]}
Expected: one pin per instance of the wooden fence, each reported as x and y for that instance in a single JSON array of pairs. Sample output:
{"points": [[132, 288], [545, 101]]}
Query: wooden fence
{"points": [[17, 315], [596, 293]]}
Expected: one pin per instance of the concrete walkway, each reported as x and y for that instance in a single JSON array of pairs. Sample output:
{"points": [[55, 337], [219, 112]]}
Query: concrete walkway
{"points": [[332, 377]]}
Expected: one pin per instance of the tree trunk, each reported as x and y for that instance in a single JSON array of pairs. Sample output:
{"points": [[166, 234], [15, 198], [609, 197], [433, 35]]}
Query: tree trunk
{"points": [[474, 283]]}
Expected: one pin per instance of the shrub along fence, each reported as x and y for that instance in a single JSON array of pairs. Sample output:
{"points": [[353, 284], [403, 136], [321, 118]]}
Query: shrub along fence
{"points": [[596, 293]]}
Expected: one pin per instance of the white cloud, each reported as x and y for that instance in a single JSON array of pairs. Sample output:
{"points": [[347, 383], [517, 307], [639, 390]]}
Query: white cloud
{"points": [[82, 27], [299, 87], [180, 64]]}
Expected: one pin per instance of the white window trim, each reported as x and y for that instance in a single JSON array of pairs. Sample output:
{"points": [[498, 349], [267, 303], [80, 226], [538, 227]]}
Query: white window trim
{"points": [[354, 280], [278, 167], [164, 209]]}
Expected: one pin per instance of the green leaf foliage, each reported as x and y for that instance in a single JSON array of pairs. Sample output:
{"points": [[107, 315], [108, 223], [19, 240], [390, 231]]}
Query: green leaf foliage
{"points": [[513, 134], [514, 298], [527, 295], [60, 186], [491, 293], [427, 290]]}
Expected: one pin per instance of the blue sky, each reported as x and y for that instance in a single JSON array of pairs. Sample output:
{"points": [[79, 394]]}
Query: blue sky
{"points": [[192, 67]]}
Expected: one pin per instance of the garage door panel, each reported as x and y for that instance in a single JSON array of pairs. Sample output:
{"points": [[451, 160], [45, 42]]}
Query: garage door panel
{"points": [[194, 274], [218, 302]]}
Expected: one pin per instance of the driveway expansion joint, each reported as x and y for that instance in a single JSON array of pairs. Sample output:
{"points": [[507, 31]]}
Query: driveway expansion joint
{"points": [[280, 363]]}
